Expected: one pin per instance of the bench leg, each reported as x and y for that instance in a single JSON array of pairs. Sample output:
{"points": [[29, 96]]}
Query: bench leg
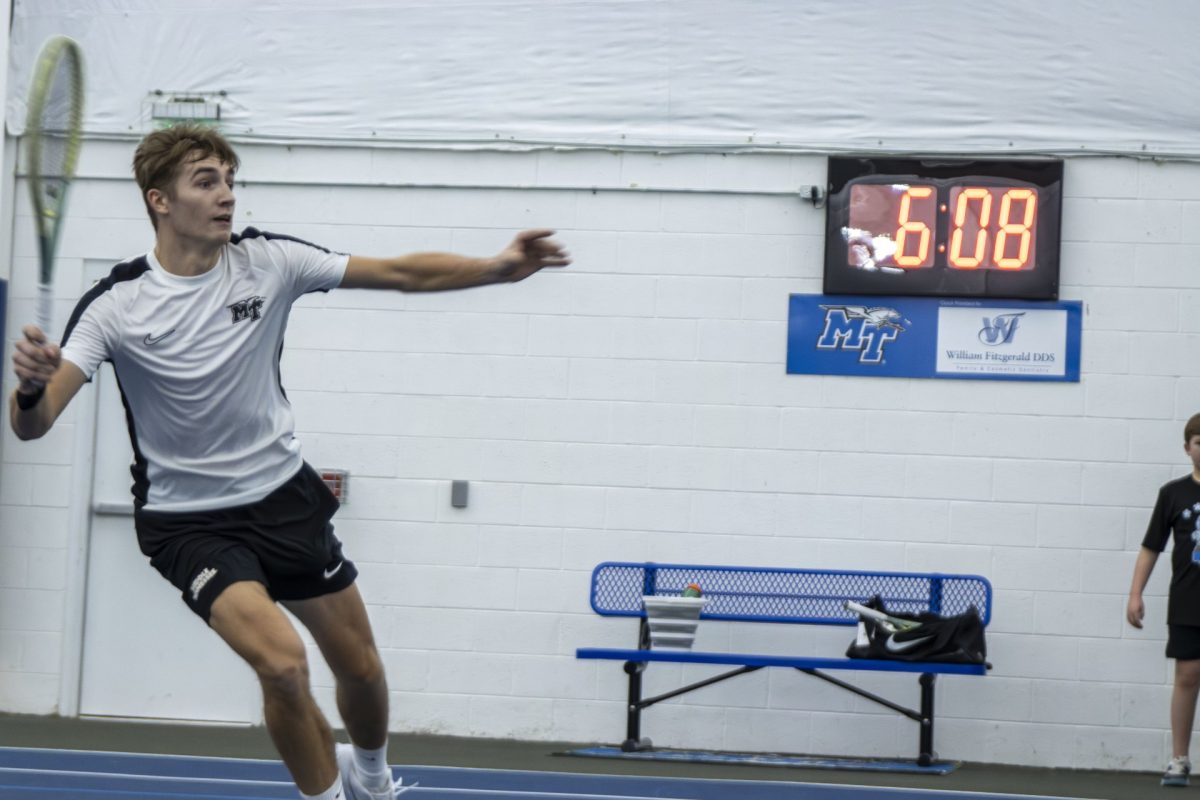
{"points": [[926, 755], [633, 711]]}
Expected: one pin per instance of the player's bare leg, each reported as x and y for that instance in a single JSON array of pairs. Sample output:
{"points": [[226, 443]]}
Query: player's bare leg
{"points": [[247, 618], [340, 626], [1183, 704]]}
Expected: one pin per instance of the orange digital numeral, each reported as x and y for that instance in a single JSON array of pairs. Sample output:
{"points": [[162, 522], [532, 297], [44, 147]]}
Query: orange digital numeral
{"points": [[910, 226], [1010, 228], [957, 259]]}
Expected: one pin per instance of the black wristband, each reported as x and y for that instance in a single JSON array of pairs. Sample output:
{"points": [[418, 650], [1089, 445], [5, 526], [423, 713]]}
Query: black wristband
{"points": [[28, 401]]}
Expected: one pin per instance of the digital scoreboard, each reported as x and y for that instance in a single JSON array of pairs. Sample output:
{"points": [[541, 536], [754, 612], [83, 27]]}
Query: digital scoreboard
{"points": [[943, 227]]}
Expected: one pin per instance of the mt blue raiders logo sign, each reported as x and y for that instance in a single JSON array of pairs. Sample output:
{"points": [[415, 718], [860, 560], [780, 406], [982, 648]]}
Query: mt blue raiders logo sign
{"points": [[933, 337], [861, 328]]}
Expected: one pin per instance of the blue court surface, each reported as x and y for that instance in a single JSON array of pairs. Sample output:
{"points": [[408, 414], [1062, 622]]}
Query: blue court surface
{"points": [[41, 774]]}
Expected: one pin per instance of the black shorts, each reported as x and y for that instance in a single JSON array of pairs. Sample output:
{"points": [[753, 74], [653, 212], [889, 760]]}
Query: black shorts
{"points": [[284, 541], [1183, 642]]}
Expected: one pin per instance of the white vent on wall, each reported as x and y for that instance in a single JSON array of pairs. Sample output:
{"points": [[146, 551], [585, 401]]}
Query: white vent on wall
{"points": [[168, 108]]}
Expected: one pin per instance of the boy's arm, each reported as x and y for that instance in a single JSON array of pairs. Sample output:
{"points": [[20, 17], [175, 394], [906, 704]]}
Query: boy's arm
{"points": [[47, 384], [1135, 611], [529, 252]]}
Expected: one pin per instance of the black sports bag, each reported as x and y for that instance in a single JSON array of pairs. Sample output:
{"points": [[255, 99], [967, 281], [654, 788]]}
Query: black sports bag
{"points": [[958, 639]]}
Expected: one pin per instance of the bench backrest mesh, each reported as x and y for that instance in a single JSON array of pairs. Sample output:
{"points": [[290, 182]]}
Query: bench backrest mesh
{"points": [[769, 594]]}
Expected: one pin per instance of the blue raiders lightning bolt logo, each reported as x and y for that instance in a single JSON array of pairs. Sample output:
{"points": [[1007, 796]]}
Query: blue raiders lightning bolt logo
{"points": [[860, 328]]}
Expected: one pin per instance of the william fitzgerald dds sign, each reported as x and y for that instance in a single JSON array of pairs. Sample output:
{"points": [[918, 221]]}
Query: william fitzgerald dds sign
{"points": [[924, 337]]}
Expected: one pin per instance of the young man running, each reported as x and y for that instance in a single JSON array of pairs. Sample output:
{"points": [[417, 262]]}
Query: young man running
{"points": [[225, 506]]}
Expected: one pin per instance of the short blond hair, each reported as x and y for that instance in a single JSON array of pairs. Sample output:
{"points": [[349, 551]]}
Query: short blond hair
{"points": [[162, 154]]}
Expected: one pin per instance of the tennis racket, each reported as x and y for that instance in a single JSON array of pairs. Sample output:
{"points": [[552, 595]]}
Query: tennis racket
{"points": [[54, 131], [898, 624]]}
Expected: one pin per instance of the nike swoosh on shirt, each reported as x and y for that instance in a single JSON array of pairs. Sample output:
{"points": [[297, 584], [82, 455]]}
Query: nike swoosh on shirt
{"points": [[329, 573], [153, 340]]}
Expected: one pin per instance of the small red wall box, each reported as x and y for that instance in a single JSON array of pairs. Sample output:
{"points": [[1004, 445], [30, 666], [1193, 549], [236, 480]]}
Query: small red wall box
{"points": [[338, 481]]}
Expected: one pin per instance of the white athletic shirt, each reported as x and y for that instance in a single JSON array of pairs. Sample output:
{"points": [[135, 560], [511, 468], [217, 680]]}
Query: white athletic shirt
{"points": [[197, 361]]}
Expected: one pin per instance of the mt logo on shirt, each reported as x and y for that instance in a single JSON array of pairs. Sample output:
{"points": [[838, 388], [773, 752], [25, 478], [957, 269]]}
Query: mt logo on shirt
{"points": [[250, 308]]}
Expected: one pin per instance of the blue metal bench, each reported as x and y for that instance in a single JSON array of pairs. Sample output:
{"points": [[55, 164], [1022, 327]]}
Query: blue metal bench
{"points": [[769, 594]]}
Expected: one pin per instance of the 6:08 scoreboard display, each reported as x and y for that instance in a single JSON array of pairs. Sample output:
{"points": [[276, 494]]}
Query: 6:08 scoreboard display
{"points": [[943, 227]]}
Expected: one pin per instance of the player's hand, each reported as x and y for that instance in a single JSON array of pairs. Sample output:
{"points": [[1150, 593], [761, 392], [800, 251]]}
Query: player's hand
{"points": [[35, 360], [529, 252], [1135, 612]]}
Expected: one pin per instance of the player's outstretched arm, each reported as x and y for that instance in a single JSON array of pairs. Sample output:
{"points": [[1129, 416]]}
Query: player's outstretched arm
{"points": [[529, 252], [45, 384]]}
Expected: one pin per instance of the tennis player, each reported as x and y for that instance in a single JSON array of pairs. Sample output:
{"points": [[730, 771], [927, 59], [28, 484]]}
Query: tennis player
{"points": [[225, 506], [1176, 516]]}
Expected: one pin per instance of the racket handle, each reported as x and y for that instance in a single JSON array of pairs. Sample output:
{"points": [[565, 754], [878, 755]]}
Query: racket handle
{"points": [[865, 611], [45, 304], [895, 622]]}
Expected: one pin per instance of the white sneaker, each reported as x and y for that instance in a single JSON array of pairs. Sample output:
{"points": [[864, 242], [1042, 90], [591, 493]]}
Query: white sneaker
{"points": [[353, 784], [1177, 772]]}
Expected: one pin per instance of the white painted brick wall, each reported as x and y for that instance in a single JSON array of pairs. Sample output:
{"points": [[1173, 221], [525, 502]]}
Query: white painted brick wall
{"points": [[636, 407]]}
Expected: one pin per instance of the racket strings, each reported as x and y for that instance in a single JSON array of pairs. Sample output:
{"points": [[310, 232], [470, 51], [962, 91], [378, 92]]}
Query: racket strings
{"points": [[58, 125], [54, 127]]}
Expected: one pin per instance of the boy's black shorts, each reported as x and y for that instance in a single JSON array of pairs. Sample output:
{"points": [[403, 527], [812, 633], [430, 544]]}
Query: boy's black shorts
{"points": [[284, 541], [1183, 642]]}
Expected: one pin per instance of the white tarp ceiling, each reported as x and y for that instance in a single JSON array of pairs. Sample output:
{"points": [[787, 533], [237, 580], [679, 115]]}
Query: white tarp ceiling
{"points": [[872, 75]]}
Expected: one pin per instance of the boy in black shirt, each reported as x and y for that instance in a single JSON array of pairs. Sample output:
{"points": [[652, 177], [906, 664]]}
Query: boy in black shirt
{"points": [[1177, 515]]}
